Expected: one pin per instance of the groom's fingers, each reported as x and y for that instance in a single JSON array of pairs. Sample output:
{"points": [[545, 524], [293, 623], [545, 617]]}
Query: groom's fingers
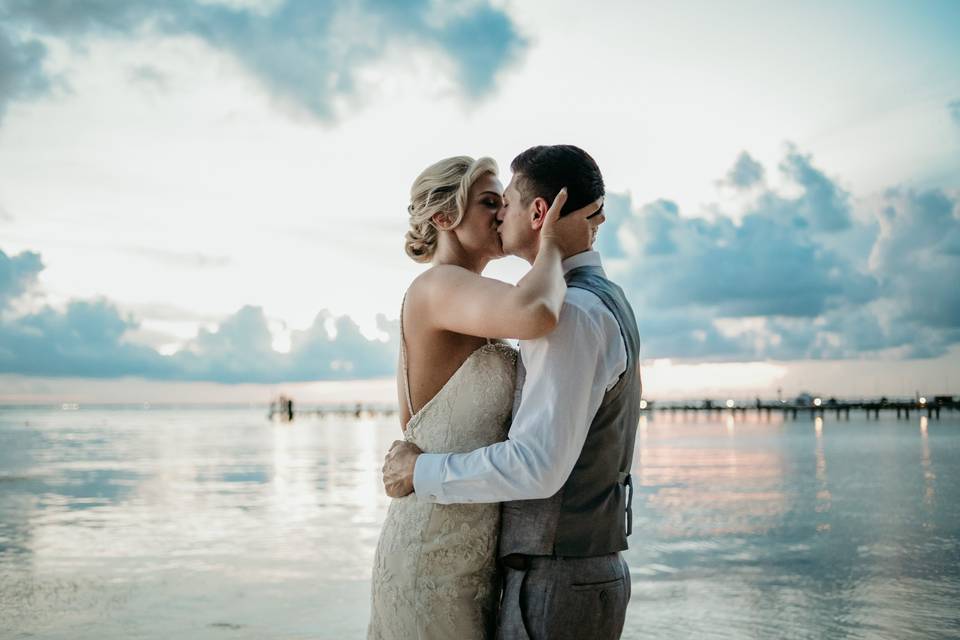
{"points": [[386, 460], [397, 477]]}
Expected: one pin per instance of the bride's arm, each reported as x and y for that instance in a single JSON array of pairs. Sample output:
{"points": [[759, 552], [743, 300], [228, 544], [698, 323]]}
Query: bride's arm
{"points": [[458, 300]]}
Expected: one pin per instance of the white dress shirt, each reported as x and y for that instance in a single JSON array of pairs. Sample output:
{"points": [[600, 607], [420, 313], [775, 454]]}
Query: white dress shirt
{"points": [[567, 374]]}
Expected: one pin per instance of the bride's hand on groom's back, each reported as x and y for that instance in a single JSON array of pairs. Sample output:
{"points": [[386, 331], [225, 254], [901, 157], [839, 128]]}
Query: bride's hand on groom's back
{"points": [[575, 231]]}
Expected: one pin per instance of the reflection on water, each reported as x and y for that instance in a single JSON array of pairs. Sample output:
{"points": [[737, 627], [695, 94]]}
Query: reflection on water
{"points": [[206, 523], [817, 529]]}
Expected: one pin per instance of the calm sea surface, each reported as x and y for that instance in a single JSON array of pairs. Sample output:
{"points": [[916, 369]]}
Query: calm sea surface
{"points": [[215, 523]]}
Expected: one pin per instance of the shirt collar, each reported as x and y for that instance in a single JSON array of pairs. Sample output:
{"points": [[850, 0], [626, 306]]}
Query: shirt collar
{"points": [[583, 259]]}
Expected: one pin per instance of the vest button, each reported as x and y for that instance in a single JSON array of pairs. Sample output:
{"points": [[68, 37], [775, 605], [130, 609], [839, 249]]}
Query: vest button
{"points": [[603, 595]]}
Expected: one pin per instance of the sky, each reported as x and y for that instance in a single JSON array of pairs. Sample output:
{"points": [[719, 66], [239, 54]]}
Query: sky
{"points": [[206, 200]]}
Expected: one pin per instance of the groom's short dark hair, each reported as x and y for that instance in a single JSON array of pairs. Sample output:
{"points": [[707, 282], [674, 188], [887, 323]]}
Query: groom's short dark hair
{"points": [[543, 170]]}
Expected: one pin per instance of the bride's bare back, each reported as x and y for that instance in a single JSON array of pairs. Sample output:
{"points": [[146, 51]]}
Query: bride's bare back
{"points": [[432, 355]]}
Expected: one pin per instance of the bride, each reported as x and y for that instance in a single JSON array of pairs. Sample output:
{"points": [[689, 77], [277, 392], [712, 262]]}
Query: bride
{"points": [[434, 573]]}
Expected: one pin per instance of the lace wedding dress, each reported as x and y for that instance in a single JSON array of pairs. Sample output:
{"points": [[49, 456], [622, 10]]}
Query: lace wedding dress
{"points": [[434, 572]]}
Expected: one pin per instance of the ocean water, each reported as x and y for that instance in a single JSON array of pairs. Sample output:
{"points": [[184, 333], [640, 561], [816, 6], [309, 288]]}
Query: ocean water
{"points": [[216, 523]]}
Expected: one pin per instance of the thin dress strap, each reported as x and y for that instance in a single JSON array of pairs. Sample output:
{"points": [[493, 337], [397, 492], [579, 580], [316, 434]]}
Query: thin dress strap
{"points": [[403, 353]]}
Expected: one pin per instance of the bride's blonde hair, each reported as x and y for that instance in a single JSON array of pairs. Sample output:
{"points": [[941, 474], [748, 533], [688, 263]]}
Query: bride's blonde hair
{"points": [[443, 187]]}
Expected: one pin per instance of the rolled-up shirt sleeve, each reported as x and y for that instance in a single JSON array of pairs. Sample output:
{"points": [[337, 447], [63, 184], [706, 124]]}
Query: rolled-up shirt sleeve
{"points": [[567, 374]]}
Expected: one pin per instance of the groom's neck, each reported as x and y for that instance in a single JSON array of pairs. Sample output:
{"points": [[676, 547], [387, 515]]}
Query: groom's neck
{"points": [[530, 253]]}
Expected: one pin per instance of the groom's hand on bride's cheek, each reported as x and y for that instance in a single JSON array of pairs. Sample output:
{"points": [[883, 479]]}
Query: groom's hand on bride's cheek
{"points": [[398, 468]]}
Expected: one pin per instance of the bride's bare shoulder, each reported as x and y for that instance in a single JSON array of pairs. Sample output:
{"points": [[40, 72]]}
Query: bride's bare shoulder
{"points": [[439, 278]]}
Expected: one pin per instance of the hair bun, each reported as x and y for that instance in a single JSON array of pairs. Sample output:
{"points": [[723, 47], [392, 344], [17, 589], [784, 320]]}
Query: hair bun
{"points": [[421, 242]]}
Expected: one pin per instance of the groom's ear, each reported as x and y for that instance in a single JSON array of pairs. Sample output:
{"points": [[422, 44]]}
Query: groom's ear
{"points": [[538, 213]]}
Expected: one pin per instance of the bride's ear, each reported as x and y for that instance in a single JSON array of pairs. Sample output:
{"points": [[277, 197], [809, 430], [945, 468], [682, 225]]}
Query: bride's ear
{"points": [[441, 221]]}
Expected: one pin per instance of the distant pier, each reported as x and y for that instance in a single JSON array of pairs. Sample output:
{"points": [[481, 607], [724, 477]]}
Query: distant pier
{"points": [[811, 407], [282, 409]]}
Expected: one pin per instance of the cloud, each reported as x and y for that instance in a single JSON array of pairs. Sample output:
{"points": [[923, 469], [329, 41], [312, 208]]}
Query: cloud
{"points": [[304, 51], [240, 351], [17, 274], [793, 276], [824, 204], [769, 264], [745, 172], [90, 339], [149, 76], [347, 355], [954, 109], [788, 277], [616, 211], [682, 334], [83, 340], [917, 255], [21, 68]]}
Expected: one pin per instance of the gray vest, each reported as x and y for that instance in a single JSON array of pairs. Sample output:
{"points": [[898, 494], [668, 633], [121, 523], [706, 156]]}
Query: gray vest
{"points": [[590, 515]]}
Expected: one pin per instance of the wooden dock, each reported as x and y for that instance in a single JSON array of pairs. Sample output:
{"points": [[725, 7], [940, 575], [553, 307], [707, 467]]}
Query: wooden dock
{"points": [[903, 408], [355, 410], [816, 407]]}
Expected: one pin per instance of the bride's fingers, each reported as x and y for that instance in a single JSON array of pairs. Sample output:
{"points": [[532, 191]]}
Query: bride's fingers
{"points": [[589, 210], [595, 222], [558, 202]]}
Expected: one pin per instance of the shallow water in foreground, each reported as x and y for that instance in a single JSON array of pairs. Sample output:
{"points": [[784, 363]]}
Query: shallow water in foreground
{"points": [[215, 523]]}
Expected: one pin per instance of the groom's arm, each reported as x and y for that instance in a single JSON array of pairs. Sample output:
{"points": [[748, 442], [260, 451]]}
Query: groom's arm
{"points": [[568, 373]]}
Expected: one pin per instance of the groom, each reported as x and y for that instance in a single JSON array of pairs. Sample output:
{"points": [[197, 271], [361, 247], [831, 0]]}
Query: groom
{"points": [[563, 474]]}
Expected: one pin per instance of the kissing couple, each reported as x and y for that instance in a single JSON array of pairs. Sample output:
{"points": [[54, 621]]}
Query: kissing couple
{"points": [[512, 483]]}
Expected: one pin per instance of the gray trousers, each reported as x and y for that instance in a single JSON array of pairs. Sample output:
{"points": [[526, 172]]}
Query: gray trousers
{"points": [[561, 598]]}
